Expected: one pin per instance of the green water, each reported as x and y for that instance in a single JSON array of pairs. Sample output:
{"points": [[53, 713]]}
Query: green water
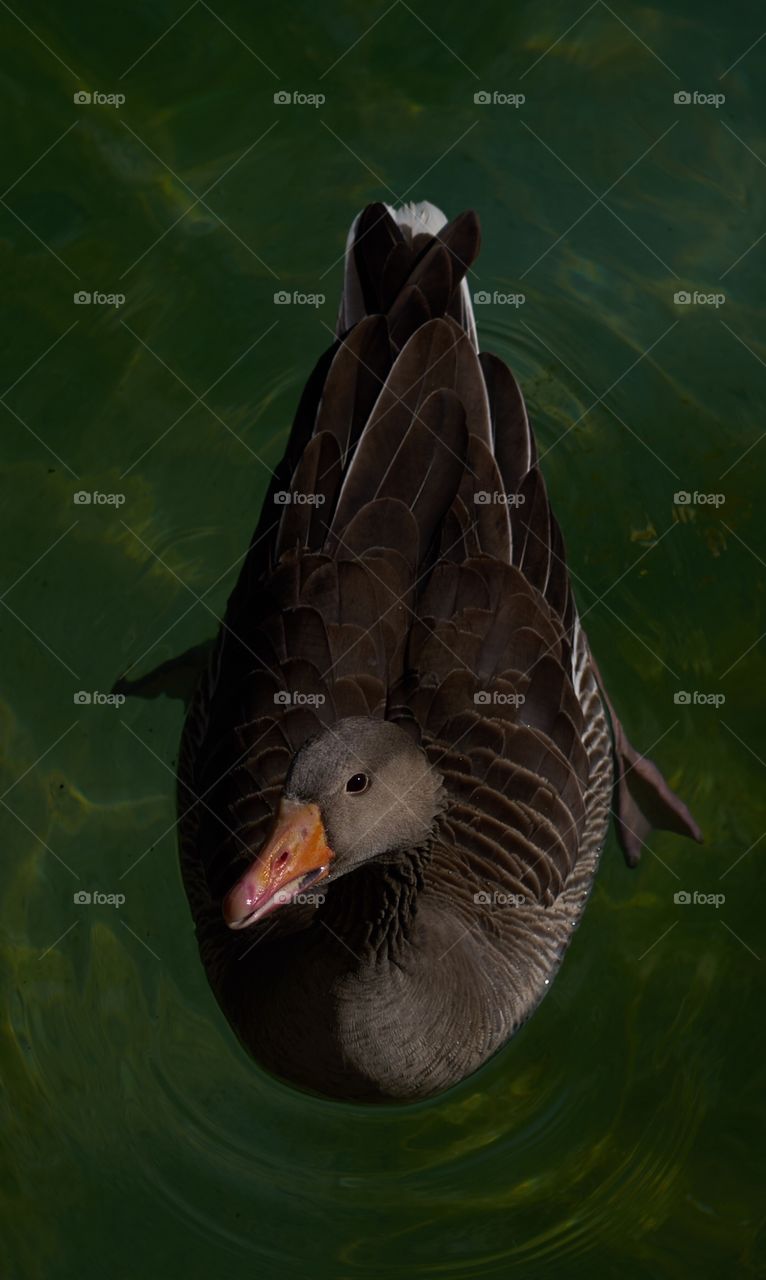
{"points": [[616, 1135]]}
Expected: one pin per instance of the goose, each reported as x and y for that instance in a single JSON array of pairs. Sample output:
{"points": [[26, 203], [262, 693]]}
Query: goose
{"points": [[398, 765]]}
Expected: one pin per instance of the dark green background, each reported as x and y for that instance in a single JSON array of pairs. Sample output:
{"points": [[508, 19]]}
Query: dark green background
{"points": [[615, 1136]]}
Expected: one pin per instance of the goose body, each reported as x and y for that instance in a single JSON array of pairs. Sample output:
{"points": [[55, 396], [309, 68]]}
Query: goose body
{"points": [[397, 770]]}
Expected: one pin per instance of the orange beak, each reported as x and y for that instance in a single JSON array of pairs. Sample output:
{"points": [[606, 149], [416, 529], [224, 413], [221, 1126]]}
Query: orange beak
{"points": [[294, 857]]}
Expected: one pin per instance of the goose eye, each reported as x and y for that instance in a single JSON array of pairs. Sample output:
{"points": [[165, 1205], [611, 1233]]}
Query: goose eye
{"points": [[360, 782]]}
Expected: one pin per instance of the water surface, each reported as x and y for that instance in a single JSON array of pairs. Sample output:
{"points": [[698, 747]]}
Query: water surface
{"points": [[615, 1135]]}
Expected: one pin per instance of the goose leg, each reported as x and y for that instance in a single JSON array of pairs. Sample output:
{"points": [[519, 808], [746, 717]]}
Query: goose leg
{"points": [[176, 678], [642, 799]]}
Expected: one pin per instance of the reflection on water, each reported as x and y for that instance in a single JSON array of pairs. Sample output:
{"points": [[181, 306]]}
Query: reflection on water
{"points": [[574, 1131], [612, 1136]]}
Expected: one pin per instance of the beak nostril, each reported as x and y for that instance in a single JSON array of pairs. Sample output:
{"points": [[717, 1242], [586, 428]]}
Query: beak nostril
{"points": [[297, 852]]}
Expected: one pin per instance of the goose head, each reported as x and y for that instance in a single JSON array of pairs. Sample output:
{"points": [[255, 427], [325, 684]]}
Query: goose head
{"points": [[361, 790]]}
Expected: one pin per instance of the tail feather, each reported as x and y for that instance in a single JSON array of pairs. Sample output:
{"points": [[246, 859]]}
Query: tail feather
{"points": [[388, 267]]}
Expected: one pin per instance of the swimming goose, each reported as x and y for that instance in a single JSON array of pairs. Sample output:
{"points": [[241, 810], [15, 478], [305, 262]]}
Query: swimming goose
{"points": [[396, 772]]}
